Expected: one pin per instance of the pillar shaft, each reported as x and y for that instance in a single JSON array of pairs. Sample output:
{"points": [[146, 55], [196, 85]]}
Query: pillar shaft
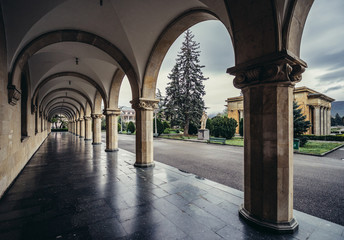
{"points": [[328, 121], [77, 127], [144, 131], [268, 140], [88, 128], [316, 120], [82, 128], [96, 129], [111, 129]]}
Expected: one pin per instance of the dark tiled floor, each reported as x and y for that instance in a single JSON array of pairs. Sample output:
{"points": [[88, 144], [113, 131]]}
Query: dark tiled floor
{"points": [[73, 190]]}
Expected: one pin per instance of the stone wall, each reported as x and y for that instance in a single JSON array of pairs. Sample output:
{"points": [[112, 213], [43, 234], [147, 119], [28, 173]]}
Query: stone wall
{"points": [[14, 154]]}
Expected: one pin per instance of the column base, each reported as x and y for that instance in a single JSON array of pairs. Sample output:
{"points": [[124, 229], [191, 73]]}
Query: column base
{"points": [[111, 150], [88, 139], [280, 228], [81, 137], [96, 143], [144, 165]]}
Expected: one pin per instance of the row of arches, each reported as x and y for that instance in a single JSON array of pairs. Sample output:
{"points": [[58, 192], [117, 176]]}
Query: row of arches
{"points": [[69, 65]]}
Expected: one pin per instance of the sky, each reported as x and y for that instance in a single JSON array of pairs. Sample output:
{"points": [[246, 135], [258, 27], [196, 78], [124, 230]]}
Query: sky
{"points": [[322, 48]]}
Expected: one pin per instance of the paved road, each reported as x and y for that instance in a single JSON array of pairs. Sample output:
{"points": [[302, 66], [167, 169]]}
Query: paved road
{"points": [[318, 181]]}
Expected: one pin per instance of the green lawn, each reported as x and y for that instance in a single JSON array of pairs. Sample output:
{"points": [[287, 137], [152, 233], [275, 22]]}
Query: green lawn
{"points": [[236, 141], [317, 147]]}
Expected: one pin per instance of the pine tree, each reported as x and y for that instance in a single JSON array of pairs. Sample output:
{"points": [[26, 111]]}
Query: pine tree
{"points": [[300, 124], [184, 94]]}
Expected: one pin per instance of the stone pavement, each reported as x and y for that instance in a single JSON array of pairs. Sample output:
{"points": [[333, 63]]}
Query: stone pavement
{"points": [[74, 190]]}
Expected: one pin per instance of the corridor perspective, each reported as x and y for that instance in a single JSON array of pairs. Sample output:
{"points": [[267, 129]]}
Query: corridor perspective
{"points": [[75, 190]]}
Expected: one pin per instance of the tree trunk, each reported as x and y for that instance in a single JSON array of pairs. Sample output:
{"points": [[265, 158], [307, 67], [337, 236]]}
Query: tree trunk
{"points": [[186, 128]]}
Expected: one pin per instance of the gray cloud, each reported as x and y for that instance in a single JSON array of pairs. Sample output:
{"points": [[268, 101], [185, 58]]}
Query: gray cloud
{"points": [[331, 89], [334, 76]]}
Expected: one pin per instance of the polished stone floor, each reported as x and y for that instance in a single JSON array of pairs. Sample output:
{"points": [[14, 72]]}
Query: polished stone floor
{"points": [[71, 189]]}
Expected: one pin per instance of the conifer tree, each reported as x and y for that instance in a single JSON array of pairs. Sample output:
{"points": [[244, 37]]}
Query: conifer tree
{"points": [[300, 124], [184, 102]]}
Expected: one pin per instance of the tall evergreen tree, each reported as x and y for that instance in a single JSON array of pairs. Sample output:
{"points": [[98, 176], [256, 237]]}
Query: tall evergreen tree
{"points": [[300, 124], [184, 94]]}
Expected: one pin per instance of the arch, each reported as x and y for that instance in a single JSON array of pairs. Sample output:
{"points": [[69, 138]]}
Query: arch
{"points": [[61, 111], [66, 89], [65, 108], [63, 97], [115, 88], [73, 36], [88, 110], [164, 42], [69, 74], [97, 103], [71, 104]]}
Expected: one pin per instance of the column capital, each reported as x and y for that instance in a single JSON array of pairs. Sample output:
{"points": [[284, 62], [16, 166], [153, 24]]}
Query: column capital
{"points": [[95, 116], [87, 118], [144, 104], [81, 119], [112, 111], [277, 68]]}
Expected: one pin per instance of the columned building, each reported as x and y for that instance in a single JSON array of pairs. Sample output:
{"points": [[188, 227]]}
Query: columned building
{"points": [[314, 105], [67, 57]]}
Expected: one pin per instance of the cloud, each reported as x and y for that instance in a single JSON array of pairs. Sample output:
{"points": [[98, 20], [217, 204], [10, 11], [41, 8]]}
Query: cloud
{"points": [[332, 76], [331, 89]]}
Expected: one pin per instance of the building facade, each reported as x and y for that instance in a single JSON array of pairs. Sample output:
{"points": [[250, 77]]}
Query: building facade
{"points": [[314, 105]]}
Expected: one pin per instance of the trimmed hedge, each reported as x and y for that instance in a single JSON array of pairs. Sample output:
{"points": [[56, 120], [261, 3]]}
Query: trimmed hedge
{"points": [[325, 138], [59, 129]]}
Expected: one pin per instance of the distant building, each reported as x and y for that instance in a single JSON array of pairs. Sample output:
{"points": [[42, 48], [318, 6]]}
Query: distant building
{"points": [[127, 114], [314, 105]]}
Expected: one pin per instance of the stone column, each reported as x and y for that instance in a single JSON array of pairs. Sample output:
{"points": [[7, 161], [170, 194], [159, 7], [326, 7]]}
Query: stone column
{"points": [[88, 128], [82, 128], [268, 140], [77, 127], [97, 137], [111, 129], [322, 121], [328, 121], [316, 120], [42, 123], [325, 121], [144, 131]]}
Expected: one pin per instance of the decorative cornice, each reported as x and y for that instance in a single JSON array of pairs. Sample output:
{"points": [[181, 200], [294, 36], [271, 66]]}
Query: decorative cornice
{"points": [[112, 112], [13, 94], [144, 104], [96, 116], [280, 68]]}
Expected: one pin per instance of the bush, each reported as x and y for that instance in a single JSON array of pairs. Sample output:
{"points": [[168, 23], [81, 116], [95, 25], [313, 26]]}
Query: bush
{"points": [[166, 125], [303, 140], [103, 124], [131, 127], [241, 127], [160, 126], [223, 127], [192, 129], [325, 137], [209, 125], [59, 129]]}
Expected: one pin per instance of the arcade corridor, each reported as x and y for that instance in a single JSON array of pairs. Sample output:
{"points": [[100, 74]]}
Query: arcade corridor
{"points": [[72, 189]]}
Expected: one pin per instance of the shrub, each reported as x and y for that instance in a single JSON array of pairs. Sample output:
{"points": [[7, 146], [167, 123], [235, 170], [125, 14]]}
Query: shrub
{"points": [[325, 137], [166, 125], [131, 127], [303, 140], [241, 127], [223, 127], [59, 129], [209, 125], [192, 129], [160, 126]]}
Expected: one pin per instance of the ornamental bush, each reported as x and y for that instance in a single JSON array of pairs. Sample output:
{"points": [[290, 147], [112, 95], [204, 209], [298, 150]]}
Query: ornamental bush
{"points": [[131, 127], [223, 127]]}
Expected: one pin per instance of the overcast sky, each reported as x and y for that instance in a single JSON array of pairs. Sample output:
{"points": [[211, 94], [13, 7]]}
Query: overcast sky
{"points": [[322, 48]]}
